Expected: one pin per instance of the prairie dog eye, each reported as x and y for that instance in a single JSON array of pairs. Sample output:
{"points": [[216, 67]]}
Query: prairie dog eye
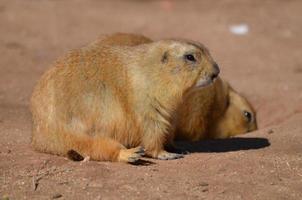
{"points": [[248, 116], [190, 57]]}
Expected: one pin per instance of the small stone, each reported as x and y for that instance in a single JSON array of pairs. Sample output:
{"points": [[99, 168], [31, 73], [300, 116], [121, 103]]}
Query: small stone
{"points": [[56, 196], [222, 192], [203, 184], [64, 183], [239, 29], [270, 131], [205, 190]]}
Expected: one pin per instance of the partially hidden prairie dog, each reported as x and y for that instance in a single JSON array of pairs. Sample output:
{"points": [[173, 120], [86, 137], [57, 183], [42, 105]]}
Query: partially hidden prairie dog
{"points": [[123, 39], [116, 103], [216, 111]]}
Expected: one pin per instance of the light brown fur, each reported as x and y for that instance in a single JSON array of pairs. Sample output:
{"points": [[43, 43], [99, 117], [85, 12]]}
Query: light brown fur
{"points": [[102, 99], [216, 111], [123, 39]]}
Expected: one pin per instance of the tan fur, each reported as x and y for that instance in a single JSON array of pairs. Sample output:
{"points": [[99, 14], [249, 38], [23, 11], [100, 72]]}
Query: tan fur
{"points": [[102, 99], [216, 111], [124, 39], [212, 112]]}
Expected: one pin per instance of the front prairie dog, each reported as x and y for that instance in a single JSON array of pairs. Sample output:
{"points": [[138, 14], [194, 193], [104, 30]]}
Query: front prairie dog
{"points": [[106, 101], [216, 111]]}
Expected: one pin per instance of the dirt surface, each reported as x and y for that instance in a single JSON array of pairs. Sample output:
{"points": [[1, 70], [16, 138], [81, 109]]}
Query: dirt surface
{"points": [[265, 65]]}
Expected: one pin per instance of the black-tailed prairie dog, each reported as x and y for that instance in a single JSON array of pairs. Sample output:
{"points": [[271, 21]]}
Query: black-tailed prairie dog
{"points": [[216, 111], [123, 39], [116, 103]]}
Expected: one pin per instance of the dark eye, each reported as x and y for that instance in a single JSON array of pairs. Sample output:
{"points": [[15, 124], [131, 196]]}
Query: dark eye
{"points": [[247, 115], [190, 57]]}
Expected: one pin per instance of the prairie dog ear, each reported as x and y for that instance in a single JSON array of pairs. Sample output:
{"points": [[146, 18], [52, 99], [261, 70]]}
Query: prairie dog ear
{"points": [[164, 58]]}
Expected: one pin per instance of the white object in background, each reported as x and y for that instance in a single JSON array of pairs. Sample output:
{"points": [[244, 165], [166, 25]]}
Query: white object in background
{"points": [[239, 29]]}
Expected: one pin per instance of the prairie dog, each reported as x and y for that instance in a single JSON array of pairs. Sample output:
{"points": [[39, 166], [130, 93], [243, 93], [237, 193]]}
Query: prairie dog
{"points": [[216, 111], [123, 39], [116, 103]]}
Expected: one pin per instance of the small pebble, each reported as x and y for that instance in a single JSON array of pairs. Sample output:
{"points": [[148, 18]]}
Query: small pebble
{"points": [[239, 29], [56, 196], [64, 183], [205, 190], [270, 131], [203, 184]]}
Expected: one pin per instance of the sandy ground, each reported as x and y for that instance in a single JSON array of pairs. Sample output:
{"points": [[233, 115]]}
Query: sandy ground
{"points": [[265, 65]]}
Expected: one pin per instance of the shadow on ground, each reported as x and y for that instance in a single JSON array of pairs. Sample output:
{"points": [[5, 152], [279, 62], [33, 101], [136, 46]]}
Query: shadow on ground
{"points": [[223, 145]]}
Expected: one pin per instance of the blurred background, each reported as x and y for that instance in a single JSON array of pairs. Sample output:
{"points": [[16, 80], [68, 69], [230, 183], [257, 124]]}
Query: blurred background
{"points": [[257, 44], [252, 40]]}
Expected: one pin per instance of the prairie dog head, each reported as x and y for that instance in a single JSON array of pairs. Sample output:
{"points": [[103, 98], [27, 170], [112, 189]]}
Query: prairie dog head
{"points": [[239, 117], [179, 64]]}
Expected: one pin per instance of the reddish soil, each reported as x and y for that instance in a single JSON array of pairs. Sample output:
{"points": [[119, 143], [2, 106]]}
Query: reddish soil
{"points": [[265, 65]]}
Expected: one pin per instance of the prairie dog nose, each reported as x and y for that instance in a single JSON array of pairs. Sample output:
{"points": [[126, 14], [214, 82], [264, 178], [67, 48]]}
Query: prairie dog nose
{"points": [[216, 71]]}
